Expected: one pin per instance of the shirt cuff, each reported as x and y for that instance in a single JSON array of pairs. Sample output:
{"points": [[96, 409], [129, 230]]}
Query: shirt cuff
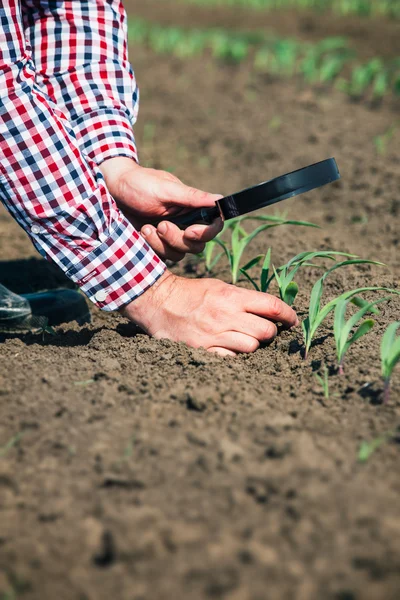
{"points": [[118, 271], [105, 133]]}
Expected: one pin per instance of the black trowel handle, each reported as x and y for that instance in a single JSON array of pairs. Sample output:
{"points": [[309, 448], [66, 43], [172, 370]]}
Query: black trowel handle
{"points": [[201, 216]]}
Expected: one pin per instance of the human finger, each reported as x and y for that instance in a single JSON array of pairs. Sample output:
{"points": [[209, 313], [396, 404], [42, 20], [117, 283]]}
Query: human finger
{"points": [[204, 233], [179, 194], [161, 248], [271, 307], [237, 342], [221, 351], [260, 328], [175, 238]]}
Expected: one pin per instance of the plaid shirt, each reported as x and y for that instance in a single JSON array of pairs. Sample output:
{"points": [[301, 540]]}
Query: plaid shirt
{"points": [[68, 101]]}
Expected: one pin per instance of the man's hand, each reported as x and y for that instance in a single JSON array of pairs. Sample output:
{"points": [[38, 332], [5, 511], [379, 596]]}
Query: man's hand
{"points": [[210, 314], [147, 195]]}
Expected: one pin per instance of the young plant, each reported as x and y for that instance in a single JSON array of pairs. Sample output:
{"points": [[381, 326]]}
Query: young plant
{"points": [[368, 448], [343, 329], [390, 356], [382, 141], [14, 441], [240, 239], [288, 289], [324, 381], [284, 275], [316, 314]]}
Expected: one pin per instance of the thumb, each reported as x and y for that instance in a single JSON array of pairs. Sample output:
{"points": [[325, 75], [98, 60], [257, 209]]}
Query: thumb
{"points": [[186, 196]]}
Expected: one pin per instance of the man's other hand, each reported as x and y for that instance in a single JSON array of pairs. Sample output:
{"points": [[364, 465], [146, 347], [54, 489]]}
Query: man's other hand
{"points": [[147, 195]]}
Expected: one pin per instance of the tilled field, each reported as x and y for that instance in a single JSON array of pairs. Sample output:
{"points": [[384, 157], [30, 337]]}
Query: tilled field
{"points": [[146, 470]]}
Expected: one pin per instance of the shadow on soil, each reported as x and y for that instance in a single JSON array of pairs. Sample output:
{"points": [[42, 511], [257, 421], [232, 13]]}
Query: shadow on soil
{"points": [[32, 275]]}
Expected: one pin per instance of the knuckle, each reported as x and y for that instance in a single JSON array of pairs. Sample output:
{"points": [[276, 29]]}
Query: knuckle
{"points": [[174, 238], [274, 308], [271, 331], [227, 291]]}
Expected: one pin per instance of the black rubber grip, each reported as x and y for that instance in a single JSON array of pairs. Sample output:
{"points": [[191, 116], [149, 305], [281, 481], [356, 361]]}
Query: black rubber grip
{"points": [[201, 216]]}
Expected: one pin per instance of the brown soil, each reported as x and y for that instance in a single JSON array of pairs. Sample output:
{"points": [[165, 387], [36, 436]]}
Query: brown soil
{"points": [[151, 471]]}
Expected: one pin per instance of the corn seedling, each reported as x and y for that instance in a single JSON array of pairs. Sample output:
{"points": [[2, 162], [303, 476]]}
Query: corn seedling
{"points": [[14, 441], [344, 338], [390, 356], [288, 289], [240, 239], [324, 381], [284, 275], [316, 314], [382, 141], [368, 448]]}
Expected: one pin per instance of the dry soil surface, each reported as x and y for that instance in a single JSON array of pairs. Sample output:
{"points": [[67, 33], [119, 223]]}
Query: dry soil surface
{"points": [[146, 470]]}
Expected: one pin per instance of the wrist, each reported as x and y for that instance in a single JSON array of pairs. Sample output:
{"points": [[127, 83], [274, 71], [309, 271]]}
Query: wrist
{"points": [[114, 169], [144, 310]]}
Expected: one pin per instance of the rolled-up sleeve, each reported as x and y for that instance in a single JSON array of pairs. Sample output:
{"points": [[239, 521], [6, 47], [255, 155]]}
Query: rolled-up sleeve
{"points": [[81, 58], [56, 192]]}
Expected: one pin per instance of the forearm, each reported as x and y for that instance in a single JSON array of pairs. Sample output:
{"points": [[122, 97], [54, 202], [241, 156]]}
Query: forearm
{"points": [[90, 77], [61, 200]]}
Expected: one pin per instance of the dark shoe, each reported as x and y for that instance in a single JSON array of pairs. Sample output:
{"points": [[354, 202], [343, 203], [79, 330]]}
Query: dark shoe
{"points": [[49, 308], [59, 306]]}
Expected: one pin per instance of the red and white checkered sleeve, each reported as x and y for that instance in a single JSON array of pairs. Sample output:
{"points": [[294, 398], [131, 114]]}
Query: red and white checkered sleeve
{"points": [[81, 58], [57, 193]]}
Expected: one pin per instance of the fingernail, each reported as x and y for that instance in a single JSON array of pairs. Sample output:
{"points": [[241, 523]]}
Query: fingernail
{"points": [[146, 231], [162, 228]]}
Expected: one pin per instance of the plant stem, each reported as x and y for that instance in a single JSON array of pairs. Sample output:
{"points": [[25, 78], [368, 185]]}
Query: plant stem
{"points": [[341, 370], [386, 391]]}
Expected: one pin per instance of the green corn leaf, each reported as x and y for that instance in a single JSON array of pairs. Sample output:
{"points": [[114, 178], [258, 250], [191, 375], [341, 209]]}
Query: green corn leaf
{"points": [[388, 355], [368, 448], [235, 239], [360, 302], [265, 271], [388, 340], [252, 263], [317, 315], [381, 84], [339, 324], [298, 261], [315, 301], [208, 253], [277, 277], [290, 293], [356, 317], [331, 305], [14, 441], [226, 250], [333, 43], [329, 254], [363, 329], [253, 283], [316, 293], [305, 325], [394, 356], [215, 261], [301, 223], [331, 68]]}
